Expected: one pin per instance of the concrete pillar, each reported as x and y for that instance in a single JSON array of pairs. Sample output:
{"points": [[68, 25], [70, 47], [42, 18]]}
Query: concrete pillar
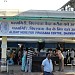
{"points": [[3, 54]]}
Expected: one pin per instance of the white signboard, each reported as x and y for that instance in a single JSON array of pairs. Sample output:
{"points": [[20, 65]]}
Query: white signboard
{"points": [[38, 28]]}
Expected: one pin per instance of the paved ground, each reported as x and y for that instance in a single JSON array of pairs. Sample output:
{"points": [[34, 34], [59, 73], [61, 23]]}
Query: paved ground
{"points": [[16, 70]]}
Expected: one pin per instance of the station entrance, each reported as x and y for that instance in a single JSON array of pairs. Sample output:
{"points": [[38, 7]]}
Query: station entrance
{"points": [[48, 30]]}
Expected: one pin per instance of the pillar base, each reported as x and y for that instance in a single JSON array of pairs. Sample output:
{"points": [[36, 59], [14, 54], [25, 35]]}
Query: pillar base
{"points": [[3, 68]]}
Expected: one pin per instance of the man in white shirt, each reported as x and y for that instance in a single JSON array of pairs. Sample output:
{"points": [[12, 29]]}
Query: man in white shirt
{"points": [[71, 56], [47, 66], [42, 50], [65, 57]]}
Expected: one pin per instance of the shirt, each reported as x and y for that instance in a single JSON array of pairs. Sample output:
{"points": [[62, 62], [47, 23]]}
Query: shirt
{"points": [[60, 55], [64, 54], [29, 55], [48, 66], [72, 54]]}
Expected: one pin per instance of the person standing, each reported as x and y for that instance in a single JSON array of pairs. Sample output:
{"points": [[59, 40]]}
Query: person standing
{"points": [[71, 56], [68, 56], [29, 59], [61, 59], [19, 57], [24, 61], [47, 66], [65, 57]]}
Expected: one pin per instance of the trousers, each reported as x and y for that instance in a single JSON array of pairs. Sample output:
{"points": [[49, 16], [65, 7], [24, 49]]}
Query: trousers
{"points": [[29, 65], [48, 73]]}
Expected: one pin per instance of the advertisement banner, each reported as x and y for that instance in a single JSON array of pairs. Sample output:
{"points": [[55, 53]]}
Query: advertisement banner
{"points": [[38, 28]]}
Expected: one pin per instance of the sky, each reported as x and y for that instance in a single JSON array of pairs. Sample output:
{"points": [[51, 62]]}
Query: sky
{"points": [[24, 5]]}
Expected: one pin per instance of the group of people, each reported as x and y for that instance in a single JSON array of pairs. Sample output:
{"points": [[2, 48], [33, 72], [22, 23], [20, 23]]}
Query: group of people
{"points": [[63, 55], [27, 60], [68, 56], [47, 65]]}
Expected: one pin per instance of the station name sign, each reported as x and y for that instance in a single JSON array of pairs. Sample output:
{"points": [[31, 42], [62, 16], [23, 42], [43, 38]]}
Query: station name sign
{"points": [[38, 28]]}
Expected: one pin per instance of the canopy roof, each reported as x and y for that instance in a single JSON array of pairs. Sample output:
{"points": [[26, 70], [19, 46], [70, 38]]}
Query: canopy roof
{"points": [[48, 13], [37, 15]]}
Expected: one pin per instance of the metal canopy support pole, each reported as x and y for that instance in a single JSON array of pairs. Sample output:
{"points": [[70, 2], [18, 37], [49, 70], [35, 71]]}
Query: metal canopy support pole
{"points": [[3, 54]]}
